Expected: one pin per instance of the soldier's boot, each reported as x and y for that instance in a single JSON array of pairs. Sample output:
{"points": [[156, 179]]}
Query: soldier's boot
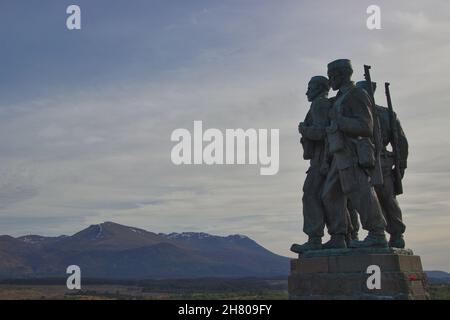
{"points": [[397, 241], [313, 243], [351, 236], [371, 241], [337, 241]]}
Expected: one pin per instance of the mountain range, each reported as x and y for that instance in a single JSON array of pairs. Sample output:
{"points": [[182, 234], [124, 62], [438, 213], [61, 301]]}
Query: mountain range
{"points": [[113, 251]]}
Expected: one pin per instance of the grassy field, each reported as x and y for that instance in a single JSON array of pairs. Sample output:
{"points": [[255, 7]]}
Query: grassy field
{"points": [[215, 289], [440, 291], [199, 289]]}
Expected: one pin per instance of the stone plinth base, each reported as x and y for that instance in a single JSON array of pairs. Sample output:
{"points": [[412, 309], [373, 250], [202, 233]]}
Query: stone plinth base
{"points": [[342, 274]]}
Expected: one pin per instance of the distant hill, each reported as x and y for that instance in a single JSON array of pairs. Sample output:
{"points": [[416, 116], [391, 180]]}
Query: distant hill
{"points": [[438, 276], [114, 251]]}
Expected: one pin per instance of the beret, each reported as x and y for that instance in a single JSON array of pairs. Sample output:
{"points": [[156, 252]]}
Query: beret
{"points": [[340, 63]]}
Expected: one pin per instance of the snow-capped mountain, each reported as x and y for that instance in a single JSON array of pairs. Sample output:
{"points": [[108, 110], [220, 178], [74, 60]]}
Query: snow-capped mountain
{"points": [[111, 250]]}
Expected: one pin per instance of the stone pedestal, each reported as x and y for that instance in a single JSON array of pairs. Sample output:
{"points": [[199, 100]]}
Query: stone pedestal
{"points": [[342, 274]]}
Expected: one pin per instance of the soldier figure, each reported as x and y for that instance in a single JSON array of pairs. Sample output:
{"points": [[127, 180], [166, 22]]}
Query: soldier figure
{"points": [[386, 194], [352, 159], [313, 142]]}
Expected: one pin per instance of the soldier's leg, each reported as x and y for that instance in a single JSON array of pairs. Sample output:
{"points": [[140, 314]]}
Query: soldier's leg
{"points": [[390, 206], [392, 212], [349, 235], [313, 210], [365, 201], [353, 220], [335, 204]]}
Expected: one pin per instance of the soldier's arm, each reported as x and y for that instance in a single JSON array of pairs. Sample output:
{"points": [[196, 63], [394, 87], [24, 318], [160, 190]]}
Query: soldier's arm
{"points": [[311, 132], [314, 133], [361, 121], [402, 146], [305, 123]]}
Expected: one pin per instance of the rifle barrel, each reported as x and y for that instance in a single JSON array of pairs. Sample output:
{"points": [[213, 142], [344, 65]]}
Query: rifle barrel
{"points": [[398, 186]]}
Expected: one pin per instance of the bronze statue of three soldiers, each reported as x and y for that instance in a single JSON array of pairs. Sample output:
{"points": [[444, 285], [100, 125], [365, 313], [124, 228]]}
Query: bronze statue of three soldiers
{"points": [[351, 171]]}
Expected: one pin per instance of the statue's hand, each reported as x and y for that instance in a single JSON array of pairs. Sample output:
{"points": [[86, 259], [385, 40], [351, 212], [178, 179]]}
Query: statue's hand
{"points": [[402, 172], [301, 127]]}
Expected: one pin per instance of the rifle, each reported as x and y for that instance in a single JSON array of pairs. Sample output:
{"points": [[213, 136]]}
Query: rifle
{"points": [[377, 176], [398, 187]]}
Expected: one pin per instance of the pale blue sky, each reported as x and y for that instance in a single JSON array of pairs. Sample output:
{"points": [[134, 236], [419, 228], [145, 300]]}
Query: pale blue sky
{"points": [[86, 116]]}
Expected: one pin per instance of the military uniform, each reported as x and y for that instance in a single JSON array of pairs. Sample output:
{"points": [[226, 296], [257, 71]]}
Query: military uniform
{"points": [[349, 138], [386, 194], [313, 141]]}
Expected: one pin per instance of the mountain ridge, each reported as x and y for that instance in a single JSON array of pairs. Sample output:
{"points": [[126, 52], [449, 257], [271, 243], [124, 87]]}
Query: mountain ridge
{"points": [[111, 250]]}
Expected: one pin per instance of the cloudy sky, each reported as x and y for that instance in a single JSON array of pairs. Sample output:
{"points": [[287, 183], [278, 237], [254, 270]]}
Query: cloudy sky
{"points": [[86, 116]]}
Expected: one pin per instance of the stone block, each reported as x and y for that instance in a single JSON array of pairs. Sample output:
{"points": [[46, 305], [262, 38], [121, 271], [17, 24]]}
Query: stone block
{"points": [[343, 275]]}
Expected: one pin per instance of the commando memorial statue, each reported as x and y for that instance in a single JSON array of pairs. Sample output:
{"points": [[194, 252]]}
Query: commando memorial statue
{"points": [[357, 153]]}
